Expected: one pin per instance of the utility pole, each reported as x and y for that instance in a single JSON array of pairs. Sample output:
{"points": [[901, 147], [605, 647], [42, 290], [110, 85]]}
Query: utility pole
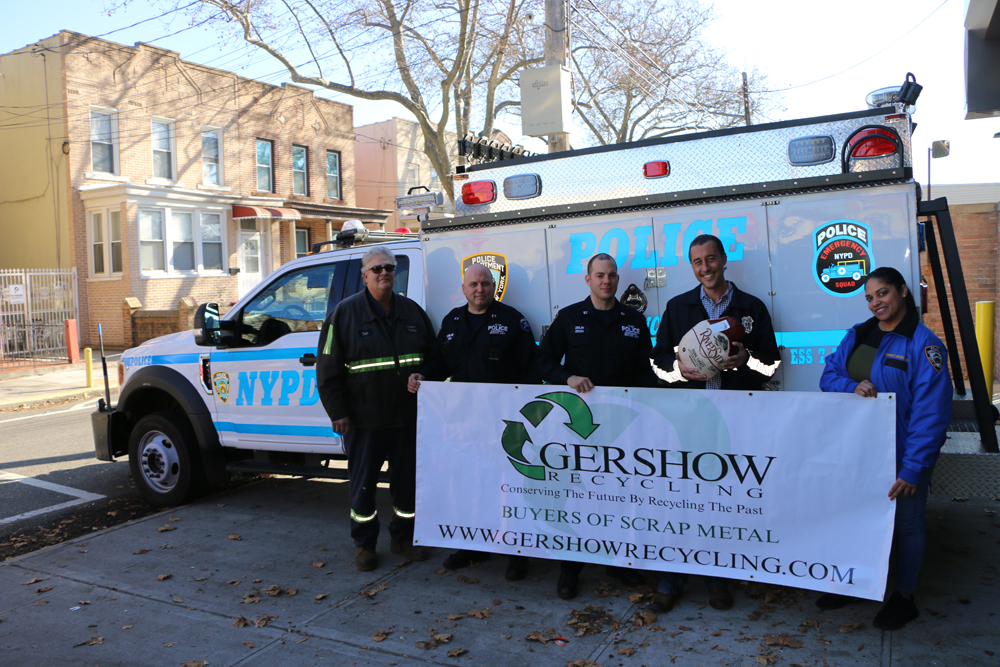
{"points": [[746, 100], [556, 50]]}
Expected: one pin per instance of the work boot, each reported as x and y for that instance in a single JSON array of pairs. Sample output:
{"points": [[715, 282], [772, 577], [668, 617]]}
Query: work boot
{"points": [[408, 551], [896, 613], [365, 558], [517, 568], [720, 598], [464, 558], [663, 602], [829, 601], [569, 581], [625, 575]]}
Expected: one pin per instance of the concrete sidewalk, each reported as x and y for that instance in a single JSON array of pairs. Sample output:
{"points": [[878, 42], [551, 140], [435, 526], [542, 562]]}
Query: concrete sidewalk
{"points": [[263, 576], [54, 384]]}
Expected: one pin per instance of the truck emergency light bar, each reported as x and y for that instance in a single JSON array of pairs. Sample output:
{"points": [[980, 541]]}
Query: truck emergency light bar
{"points": [[483, 149], [352, 237], [422, 200]]}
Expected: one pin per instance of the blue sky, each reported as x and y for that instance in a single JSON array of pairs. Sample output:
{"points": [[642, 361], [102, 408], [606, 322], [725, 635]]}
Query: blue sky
{"points": [[823, 57]]}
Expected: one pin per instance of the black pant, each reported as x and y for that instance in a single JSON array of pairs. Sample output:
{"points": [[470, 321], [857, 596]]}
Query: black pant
{"points": [[367, 449]]}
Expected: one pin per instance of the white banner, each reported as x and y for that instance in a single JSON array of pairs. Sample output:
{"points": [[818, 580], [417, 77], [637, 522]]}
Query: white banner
{"points": [[789, 488]]}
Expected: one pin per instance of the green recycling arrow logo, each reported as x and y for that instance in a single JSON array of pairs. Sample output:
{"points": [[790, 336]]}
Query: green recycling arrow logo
{"points": [[581, 422]]}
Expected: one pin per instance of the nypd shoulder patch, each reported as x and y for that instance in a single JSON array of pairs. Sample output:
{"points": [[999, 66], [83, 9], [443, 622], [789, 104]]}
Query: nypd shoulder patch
{"points": [[525, 325], [934, 356]]}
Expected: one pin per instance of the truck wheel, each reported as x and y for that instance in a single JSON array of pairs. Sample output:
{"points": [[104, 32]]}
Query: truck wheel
{"points": [[857, 275], [163, 459], [825, 278]]}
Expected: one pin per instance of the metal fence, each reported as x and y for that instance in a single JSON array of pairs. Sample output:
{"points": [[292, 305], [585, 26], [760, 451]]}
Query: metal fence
{"points": [[34, 303]]}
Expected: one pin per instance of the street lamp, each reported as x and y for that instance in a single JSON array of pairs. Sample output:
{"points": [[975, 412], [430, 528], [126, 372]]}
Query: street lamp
{"points": [[938, 149]]}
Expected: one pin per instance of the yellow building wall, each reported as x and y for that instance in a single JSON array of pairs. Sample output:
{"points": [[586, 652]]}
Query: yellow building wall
{"points": [[34, 207]]}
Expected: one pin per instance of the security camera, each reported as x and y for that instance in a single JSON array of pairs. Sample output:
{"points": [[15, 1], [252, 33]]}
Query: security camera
{"points": [[529, 17]]}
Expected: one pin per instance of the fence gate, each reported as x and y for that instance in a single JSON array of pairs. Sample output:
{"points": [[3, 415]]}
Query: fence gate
{"points": [[33, 306]]}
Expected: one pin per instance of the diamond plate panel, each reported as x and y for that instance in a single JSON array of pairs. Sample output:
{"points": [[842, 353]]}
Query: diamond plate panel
{"points": [[967, 475], [700, 162]]}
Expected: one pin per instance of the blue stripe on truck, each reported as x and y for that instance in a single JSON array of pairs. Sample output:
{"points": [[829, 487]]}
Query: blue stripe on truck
{"points": [[277, 429], [828, 338]]}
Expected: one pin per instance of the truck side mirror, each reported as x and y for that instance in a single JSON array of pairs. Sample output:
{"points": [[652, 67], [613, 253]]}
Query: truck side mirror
{"points": [[207, 324]]}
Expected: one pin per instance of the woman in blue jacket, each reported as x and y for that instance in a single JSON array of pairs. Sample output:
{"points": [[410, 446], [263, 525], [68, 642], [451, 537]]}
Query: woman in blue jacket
{"points": [[894, 352]]}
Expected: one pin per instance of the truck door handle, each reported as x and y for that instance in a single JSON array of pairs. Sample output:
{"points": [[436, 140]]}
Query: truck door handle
{"points": [[308, 359]]}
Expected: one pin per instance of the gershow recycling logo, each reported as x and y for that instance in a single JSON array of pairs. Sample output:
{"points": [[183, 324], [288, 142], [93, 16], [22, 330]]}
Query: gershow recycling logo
{"points": [[515, 435]]}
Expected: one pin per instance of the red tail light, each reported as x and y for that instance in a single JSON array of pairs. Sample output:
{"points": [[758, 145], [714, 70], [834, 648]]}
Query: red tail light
{"points": [[657, 169], [479, 192], [874, 142]]}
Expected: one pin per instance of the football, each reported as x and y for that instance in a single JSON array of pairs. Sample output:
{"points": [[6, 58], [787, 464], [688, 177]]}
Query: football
{"points": [[707, 345]]}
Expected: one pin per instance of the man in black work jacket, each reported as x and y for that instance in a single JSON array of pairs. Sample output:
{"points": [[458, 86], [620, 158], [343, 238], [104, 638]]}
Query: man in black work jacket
{"points": [[368, 346], [604, 344], [483, 341], [750, 365]]}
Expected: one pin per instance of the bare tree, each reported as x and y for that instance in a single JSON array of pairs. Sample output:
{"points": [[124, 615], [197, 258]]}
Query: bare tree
{"points": [[642, 69], [442, 61]]}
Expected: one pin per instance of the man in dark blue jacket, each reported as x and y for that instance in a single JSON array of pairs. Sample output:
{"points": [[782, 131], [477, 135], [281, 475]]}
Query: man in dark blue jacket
{"points": [[483, 341], [604, 344], [368, 347]]}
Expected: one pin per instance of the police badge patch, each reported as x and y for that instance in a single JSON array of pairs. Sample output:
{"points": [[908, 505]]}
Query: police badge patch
{"points": [[747, 323], [934, 356], [221, 382]]}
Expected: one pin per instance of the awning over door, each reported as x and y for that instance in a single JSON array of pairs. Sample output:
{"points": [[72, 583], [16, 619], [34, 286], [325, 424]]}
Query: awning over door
{"points": [[244, 212]]}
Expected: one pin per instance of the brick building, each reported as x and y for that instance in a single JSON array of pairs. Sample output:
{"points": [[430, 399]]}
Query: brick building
{"points": [[169, 180], [975, 214]]}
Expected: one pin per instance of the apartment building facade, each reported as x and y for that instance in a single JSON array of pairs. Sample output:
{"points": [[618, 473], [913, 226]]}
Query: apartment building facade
{"points": [[159, 178]]}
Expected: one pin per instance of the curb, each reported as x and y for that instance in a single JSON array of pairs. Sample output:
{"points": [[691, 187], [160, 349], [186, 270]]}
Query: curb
{"points": [[53, 399]]}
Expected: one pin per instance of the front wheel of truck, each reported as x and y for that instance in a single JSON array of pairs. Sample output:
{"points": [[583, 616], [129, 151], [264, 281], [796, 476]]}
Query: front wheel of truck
{"points": [[163, 457]]}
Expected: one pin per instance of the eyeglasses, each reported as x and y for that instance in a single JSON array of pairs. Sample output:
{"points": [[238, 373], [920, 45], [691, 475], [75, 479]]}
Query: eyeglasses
{"points": [[377, 270]]}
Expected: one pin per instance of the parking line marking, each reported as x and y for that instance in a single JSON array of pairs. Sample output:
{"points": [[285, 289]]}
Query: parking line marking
{"points": [[81, 496]]}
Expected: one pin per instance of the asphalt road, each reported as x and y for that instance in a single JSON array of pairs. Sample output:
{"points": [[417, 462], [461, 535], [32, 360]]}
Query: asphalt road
{"points": [[48, 469]]}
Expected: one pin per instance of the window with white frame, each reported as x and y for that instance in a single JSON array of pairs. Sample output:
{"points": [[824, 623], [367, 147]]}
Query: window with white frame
{"points": [[300, 170], [181, 241], [265, 181], [102, 141], [412, 176], [162, 138], [333, 175], [105, 243], [211, 157], [301, 242]]}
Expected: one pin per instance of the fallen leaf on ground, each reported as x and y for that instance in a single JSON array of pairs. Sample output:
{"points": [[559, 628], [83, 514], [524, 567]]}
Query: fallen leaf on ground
{"points": [[591, 621], [583, 663], [263, 620], [636, 598], [683, 627], [497, 603], [467, 580], [33, 581], [783, 640], [235, 536], [433, 642], [257, 581], [90, 642], [233, 581], [250, 644], [166, 529], [480, 613], [44, 589], [273, 591], [250, 598], [851, 626], [382, 634], [178, 599], [241, 622], [140, 552], [642, 618], [174, 518], [322, 596], [126, 627], [455, 617], [163, 577], [606, 588], [810, 623], [169, 644], [371, 592], [626, 651], [195, 663], [41, 603], [457, 652], [441, 571], [536, 636], [318, 564]]}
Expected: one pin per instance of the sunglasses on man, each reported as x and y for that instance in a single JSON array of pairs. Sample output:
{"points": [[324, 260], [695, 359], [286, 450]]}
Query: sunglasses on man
{"points": [[377, 270]]}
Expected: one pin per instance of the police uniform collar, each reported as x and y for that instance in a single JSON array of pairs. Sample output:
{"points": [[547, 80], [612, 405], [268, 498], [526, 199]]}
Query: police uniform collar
{"points": [[906, 328], [588, 307], [375, 308]]}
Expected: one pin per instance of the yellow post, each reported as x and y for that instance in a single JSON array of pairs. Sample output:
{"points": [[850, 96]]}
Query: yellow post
{"points": [[984, 336], [88, 361]]}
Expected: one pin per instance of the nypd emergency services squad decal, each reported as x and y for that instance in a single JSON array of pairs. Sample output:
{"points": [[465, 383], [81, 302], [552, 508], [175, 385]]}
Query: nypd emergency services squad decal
{"points": [[842, 256], [496, 263], [221, 382]]}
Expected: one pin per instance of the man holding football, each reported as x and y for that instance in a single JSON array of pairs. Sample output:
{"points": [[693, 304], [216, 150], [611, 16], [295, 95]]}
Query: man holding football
{"points": [[749, 367], [604, 344]]}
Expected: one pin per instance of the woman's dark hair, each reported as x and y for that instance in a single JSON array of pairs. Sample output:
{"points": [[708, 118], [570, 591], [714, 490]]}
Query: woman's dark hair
{"points": [[891, 276]]}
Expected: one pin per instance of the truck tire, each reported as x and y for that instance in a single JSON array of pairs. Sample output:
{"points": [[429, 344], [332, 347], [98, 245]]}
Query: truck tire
{"points": [[162, 454], [857, 275], [825, 278]]}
